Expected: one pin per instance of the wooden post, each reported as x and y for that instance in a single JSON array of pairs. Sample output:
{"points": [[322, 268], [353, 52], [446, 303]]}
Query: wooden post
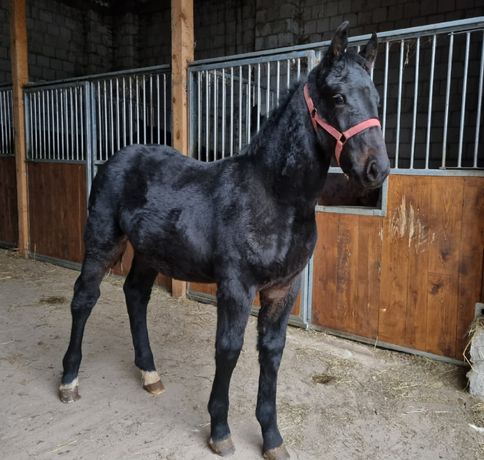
{"points": [[182, 40], [20, 76]]}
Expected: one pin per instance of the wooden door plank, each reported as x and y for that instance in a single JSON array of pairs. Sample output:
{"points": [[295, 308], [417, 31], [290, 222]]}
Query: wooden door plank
{"points": [[446, 220], [324, 273], [471, 258], [441, 325], [394, 276], [20, 76], [369, 267], [419, 236]]}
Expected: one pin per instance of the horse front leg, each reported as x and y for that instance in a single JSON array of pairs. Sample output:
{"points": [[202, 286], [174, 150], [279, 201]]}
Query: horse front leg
{"points": [[233, 308], [276, 303]]}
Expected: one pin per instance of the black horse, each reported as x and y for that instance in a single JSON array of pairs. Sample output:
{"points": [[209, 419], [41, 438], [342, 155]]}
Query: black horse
{"points": [[246, 223]]}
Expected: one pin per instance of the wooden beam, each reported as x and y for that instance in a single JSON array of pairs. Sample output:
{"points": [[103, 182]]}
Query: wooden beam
{"points": [[20, 76], [182, 44]]}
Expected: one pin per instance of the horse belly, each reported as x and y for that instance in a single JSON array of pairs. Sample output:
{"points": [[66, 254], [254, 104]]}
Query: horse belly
{"points": [[173, 247]]}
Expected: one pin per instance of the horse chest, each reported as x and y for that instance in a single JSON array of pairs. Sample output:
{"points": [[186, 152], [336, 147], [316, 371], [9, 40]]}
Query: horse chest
{"points": [[281, 252]]}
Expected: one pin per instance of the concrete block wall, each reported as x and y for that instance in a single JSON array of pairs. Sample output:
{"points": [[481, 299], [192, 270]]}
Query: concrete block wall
{"points": [[76, 37], [5, 72], [320, 18], [153, 46], [224, 27], [66, 38]]}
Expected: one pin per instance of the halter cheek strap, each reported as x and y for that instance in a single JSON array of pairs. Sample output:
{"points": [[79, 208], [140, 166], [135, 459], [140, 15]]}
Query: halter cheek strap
{"points": [[341, 137]]}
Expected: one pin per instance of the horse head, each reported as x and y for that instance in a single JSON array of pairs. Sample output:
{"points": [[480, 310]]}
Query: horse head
{"points": [[343, 105]]}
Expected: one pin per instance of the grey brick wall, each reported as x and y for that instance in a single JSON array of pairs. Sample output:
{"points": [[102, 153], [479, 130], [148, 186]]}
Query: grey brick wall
{"points": [[5, 73], [65, 39], [75, 37]]}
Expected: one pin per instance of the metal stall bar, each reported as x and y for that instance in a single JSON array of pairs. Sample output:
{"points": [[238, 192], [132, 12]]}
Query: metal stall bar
{"points": [[6, 122], [464, 96], [447, 99], [415, 102], [246, 91], [431, 94], [479, 106]]}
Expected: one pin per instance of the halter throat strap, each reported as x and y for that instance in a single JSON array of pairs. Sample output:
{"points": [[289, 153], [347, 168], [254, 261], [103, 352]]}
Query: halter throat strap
{"points": [[340, 137]]}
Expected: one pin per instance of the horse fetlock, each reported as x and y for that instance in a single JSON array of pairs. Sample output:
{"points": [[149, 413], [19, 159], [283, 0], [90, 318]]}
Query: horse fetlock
{"points": [[151, 382], [224, 447], [69, 392]]}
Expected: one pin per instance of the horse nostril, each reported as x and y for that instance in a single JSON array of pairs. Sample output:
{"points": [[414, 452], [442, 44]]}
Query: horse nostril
{"points": [[372, 171]]}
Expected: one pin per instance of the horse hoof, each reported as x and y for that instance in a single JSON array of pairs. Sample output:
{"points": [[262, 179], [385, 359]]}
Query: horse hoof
{"points": [[278, 453], [69, 392], [155, 388], [224, 448], [151, 382]]}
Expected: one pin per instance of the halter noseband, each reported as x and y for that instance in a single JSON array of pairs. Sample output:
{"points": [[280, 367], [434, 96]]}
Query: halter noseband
{"points": [[341, 137]]}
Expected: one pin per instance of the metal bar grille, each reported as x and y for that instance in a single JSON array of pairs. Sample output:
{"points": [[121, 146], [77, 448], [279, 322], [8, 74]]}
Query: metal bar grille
{"points": [[7, 141], [430, 80], [229, 103], [124, 108]]}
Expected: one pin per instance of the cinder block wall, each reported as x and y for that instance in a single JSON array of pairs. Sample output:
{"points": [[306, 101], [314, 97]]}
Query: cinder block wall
{"points": [[68, 38]]}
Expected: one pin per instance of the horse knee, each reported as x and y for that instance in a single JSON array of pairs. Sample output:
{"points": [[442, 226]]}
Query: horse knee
{"points": [[227, 349], [270, 351]]}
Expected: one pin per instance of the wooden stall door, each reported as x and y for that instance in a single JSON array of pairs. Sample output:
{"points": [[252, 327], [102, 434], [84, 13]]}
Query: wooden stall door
{"points": [[57, 206], [411, 278], [8, 202], [346, 277]]}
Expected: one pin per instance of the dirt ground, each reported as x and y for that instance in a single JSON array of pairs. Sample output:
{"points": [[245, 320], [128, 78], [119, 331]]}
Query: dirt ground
{"points": [[337, 399]]}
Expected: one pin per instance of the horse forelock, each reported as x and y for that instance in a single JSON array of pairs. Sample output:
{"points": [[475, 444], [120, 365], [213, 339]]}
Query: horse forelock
{"points": [[340, 67]]}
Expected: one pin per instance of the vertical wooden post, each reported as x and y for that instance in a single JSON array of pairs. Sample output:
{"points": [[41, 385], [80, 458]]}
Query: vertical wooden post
{"points": [[20, 76], [182, 40]]}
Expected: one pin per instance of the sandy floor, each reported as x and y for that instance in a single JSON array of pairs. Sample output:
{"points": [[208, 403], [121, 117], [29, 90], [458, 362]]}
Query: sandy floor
{"points": [[337, 399]]}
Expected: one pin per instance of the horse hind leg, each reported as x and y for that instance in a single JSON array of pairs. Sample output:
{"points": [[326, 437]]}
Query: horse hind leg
{"points": [[98, 258], [137, 290]]}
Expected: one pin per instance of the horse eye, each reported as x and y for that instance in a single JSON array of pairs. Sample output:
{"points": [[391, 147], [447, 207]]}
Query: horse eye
{"points": [[338, 99]]}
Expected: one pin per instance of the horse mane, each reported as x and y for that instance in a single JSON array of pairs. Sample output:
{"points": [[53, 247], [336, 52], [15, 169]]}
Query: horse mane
{"points": [[274, 116]]}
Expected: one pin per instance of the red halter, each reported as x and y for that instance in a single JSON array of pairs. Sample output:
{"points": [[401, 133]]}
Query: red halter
{"points": [[341, 137]]}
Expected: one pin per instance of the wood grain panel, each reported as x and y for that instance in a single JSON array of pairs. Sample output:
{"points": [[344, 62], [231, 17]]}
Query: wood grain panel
{"points": [[418, 196], [367, 309], [57, 207], [346, 289], [8, 201], [324, 277], [441, 314], [445, 214], [426, 267], [395, 252], [471, 258]]}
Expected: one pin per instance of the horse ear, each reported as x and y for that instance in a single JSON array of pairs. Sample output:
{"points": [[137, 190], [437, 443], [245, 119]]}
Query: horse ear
{"points": [[339, 43], [369, 51]]}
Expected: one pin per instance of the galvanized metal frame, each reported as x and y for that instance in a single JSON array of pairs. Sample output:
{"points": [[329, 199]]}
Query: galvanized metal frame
{"points": [[86, 106], [406, 39], [243, 81], [7, 143]]}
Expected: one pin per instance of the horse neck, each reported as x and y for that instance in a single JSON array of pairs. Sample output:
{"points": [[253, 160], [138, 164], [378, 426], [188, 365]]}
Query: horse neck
{"points": [[287, 153]]}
